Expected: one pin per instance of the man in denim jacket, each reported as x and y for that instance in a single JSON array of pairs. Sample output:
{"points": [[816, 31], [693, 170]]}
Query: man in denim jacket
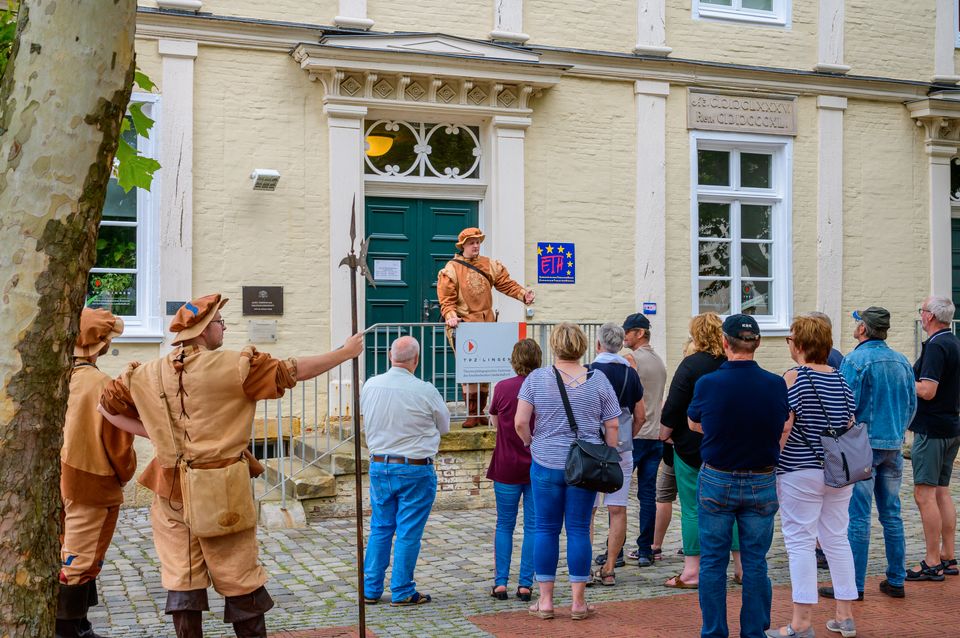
{"points": [[882, 383]]}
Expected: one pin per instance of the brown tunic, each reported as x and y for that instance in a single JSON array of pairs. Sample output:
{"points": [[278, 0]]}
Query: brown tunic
{"points": [[468, 294], [96, 459]]}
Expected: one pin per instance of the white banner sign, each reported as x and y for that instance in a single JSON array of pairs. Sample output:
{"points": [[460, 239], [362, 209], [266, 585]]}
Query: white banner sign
{"points": [[484, 349]]}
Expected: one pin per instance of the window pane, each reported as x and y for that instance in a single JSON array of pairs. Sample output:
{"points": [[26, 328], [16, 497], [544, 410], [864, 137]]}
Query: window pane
{"points": [[755, 170], [754, 222], [755, 259], [714, 259], [117, 292], [714, 220], [713, 168], [715, 296], [453, 151], [120, 206], [390, 148], [755, 297], [761, 5], [117, 247], [724, 3]]}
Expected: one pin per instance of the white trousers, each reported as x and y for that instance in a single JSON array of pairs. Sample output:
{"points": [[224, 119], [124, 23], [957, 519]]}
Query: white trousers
{"points": [[811, 510]]}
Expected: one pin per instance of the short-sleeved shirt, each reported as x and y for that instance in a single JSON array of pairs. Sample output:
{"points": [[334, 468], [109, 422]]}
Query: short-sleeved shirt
{"points": [[511, 458], [811, 419], [593, 402], [835, 359], [686, 443], [939, 361], [742, 409], [653, 377]]}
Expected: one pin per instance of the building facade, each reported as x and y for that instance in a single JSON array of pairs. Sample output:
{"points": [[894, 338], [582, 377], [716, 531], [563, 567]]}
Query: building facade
{"points": [[761, 156]]}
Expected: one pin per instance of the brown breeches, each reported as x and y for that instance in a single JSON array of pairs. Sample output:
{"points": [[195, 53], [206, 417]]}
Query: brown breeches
{"points": [[87, 532]]}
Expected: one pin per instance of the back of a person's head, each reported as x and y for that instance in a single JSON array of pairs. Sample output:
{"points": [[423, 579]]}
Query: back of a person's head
{"points": [[706, 333], [568, 342], [610, 336], [822, 316], [942, 308], [404, 350], [526, 357], [813, 337]]}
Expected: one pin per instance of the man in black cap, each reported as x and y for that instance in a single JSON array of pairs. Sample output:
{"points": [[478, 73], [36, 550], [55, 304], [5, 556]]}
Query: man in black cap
{"points": [[741, 410]]}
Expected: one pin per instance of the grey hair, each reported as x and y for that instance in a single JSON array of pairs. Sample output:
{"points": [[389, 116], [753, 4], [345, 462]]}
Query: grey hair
{"points": [[404, 349], [873, 333], [941, 308], [610, 336], [816, 314]]}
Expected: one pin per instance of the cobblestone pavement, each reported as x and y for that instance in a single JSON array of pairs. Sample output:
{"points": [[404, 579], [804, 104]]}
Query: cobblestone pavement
{"points": [[312, 576]]}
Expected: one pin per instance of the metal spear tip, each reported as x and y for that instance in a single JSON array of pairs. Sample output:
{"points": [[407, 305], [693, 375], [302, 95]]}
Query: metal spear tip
{"points": [[353, 220]]}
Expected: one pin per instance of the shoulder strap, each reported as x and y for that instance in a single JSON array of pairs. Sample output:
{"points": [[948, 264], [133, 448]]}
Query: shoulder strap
{"points": [[800, 429], [166, 411], [566, 402], [472, 267]]}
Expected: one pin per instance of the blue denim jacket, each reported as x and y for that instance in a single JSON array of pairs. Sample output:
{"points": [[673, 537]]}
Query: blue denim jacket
{"points": [[883, 387]]}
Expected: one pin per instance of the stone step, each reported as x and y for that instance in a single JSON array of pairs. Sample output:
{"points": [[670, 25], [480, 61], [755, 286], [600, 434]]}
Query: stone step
{"points": [[343, 462], [308, 482]]}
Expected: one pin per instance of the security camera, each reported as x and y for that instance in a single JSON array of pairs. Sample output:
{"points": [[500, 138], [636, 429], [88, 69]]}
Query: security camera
{"points": [[265, 179]]}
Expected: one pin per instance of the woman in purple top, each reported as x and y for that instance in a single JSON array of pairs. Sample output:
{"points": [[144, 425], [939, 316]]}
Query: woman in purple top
{"points": [[510, 473]]}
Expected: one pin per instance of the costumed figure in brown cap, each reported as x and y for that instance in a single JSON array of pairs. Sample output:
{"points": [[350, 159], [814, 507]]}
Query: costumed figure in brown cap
{"points": [[96, 461], [196, 405], [465, 291]]}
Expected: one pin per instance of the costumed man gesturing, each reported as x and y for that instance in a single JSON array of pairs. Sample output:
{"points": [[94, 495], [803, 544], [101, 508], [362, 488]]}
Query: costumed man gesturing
{"points": [[465, 291], [96, 460], [196, 405]]}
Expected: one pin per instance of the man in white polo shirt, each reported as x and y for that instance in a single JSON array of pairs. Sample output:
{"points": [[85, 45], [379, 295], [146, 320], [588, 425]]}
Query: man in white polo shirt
{"points": [[403, 418]]}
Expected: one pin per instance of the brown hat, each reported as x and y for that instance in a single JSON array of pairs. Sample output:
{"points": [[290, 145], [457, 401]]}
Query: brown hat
{"points": [[97, 328], [469, 233], [194, 316]]}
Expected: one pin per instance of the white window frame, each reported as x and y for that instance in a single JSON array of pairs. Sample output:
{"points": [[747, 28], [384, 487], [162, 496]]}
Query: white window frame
{"points": [[147, 324], [956, 23], [779, 197], [780, 16]]}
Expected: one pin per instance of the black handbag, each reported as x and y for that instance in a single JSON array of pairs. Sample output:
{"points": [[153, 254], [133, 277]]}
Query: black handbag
{"points": [[590, 466]]}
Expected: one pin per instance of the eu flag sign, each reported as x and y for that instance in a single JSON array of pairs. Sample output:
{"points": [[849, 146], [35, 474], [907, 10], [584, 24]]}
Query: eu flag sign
{"points": [[556, 263]]}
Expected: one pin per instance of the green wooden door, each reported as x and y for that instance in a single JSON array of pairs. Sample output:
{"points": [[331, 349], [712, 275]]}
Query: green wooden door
{"points": [[955, 226], [410, 241]]}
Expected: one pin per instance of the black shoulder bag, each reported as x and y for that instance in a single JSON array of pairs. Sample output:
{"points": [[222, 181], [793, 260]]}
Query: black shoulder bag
{"points": [[590, 466]]}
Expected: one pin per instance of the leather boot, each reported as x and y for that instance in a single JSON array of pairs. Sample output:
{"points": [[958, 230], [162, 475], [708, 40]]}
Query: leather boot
{"points": [[246, 612], [470, 398], [482, 405], [72, 602], [187, 609]]}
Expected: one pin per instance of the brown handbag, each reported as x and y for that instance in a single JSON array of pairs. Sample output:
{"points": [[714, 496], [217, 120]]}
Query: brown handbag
{"points": [[216, 501]]}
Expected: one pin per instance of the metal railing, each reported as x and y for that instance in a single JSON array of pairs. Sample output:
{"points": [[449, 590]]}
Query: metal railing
{"points": [[313, 425], [919, 336]]}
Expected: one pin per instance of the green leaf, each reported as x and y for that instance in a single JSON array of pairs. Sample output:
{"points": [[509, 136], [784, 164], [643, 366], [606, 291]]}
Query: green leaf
{"points": [[124, 125], [142, 80], [142, 123], [134, 170]]}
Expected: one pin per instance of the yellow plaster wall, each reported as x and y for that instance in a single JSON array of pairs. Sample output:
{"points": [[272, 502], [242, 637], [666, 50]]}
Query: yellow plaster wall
{"points": [[885, 224], [608, 26], [468, 18], [737, 42], [580, 187], [890, 39], [148, 61], [320, 12]]}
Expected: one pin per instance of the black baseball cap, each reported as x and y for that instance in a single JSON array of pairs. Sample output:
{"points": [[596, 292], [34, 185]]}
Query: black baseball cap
{"points": [[876, 317], [636, 320], [742, 327]]}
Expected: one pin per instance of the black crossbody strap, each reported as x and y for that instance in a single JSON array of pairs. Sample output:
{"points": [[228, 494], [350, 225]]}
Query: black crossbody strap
{"points": [[566, 403], [472, 267]]}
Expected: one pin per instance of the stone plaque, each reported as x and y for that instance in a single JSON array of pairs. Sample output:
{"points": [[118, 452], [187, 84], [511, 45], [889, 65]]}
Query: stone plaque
{"points": [[263, 300], [741, 113], [262, 331]]}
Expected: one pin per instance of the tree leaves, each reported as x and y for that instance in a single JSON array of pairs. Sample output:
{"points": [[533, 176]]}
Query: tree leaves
{"points": [[142, 80], [142, 123], [8, 32], [133, 169]]}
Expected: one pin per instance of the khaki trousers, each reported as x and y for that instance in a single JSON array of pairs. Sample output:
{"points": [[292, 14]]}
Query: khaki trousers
{"points": [[87, 532], [227, 562]]}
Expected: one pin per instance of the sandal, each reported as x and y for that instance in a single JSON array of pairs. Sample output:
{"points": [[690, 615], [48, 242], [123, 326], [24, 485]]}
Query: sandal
{"points": [[542, 614], [949, 567], [416, 599], [582, 615], [657, 554], [737, 580], [370, 601], [499, 595], [608, 579], [524, 596], [926, 572], [679, 583]]}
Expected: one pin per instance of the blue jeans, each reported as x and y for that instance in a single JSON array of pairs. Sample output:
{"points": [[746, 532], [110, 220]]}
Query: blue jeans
{"points": [[508, 503], [647, 454], [560, 505], [885, 485], [750, 500], [401, 497]]}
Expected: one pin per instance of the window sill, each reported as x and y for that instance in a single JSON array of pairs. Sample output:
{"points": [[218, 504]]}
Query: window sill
{"points": [[704, 13], [139, 338]]}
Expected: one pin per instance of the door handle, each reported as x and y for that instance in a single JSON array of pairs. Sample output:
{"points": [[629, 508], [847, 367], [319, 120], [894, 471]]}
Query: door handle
{"points": [[429, 305]]}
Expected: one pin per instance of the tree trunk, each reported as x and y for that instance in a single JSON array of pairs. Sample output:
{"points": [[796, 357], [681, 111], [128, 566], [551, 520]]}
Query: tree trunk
{"points": [[62, 99]]}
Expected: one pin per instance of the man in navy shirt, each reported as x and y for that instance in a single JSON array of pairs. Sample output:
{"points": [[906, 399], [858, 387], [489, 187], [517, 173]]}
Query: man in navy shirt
{"points": [[936, 429], [741, 410]]}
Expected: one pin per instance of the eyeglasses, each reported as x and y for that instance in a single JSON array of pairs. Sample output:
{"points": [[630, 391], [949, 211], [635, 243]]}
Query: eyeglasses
{"points": [[789, 339], [223, 324], [920, 311]]}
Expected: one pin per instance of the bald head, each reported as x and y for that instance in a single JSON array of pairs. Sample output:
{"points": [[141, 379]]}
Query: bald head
{"points": [[405, 353]]}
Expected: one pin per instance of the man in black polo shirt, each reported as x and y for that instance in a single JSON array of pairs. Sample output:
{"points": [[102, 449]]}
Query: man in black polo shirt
{"points": [[741, 410], [936, 429]]}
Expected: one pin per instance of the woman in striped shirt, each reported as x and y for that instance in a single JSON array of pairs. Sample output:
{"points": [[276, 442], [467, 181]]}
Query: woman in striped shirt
{"points": [[809, 509]]}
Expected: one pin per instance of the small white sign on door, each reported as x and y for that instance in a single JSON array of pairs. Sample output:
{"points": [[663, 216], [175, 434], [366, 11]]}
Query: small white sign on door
{"points": [[387, 270]]}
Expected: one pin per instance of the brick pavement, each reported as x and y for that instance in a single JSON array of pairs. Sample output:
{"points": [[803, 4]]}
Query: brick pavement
{"points": [[312, 577]]}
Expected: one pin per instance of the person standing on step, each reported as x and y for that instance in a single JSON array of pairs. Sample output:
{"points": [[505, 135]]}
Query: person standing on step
{"points": [[465, 291], [96, 460]]}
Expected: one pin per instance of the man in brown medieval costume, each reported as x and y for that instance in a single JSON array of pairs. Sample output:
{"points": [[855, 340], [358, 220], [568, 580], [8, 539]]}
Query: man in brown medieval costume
{"points": [[196, 405], [465, 291], [96, 460]]}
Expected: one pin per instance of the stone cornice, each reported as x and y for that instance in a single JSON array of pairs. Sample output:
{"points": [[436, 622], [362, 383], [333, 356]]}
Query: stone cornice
{"points": [[939, 115]]}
